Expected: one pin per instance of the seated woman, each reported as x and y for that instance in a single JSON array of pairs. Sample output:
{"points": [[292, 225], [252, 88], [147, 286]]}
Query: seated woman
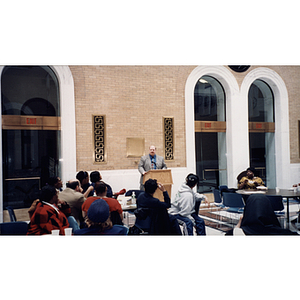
{"points": [[259, 219], [250, 182], [99, 223]]}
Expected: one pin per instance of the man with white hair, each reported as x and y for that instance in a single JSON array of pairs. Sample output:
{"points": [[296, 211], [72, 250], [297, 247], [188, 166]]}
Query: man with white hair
{"points": [[72, 194]]}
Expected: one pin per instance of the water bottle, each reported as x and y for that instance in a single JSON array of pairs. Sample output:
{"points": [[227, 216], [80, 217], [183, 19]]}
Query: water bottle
{"points": [[133, 198]]}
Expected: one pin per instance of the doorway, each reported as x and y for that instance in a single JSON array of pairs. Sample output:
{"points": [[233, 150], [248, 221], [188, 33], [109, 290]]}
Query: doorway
{"points": [[262, 132], [30, 132], [210, 133]]}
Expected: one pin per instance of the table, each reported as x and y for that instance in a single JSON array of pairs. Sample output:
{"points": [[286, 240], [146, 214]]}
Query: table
{"points": [[123, 200], [285, 193], [127, 208]]}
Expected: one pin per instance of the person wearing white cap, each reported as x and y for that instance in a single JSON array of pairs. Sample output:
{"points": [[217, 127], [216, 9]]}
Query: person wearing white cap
{"points": [[99, 223]]}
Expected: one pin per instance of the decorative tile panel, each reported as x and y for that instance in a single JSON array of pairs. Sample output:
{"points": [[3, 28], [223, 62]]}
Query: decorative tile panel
{"points": [[168, 138], [99, 139]]}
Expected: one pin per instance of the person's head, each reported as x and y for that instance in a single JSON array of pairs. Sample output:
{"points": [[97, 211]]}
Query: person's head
{"points": [[49, 194], [152, 150], [55, 181], [192, 180], [250, 172], [95, 176], [74, 184], [98, 215], [83, 177], [100, 188], [150, 186]]}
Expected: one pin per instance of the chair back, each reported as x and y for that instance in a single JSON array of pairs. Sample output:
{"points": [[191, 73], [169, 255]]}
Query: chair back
{"points": [[14, 228], [276, 202], [233, 200], [223, 187], [11, 214], [145, 224], [217, 196]]}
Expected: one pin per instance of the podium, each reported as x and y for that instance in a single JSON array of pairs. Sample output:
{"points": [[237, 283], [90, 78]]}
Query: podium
{"points": [[163, 176]]}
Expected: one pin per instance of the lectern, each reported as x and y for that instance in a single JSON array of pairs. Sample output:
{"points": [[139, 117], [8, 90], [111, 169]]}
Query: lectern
{"points": [[163, 176]]}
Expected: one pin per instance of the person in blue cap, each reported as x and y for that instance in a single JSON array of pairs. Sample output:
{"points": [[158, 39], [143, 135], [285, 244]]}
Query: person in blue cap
{"points": [[98, 221]]}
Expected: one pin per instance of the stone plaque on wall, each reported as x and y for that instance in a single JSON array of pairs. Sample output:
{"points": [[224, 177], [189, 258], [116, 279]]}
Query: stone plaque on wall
{"points": [[135, 147]]}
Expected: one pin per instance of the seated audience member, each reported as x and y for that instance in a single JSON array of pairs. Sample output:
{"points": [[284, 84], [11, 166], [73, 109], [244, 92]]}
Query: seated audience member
{"points": [[161, 221], [47, 216], [56, 182], [183, 207], [259, 219], [73, 196], [99, 223], [96, 176], [114, 205], [63, 207], [84, 179], [250, 181]]}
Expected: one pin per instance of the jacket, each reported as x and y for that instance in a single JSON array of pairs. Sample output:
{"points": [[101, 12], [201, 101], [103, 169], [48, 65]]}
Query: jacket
{"points": [[184, 202]]}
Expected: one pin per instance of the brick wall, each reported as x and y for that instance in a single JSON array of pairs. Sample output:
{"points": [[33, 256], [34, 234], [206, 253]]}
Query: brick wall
{"points": [[134, 99]]}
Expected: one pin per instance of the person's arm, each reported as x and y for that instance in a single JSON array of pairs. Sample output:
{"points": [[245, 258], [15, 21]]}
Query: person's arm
{"points": [[242, 184], [164, 166], [258, 182], [186, 206], [200, 197], [141, 167], [167, 199], [86, 193], [119, 209]]}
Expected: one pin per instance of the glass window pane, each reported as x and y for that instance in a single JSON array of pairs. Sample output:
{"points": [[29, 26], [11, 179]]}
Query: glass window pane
{"points": [[261, 102], [209, 100], [30, 157], [211, 160], [29, 90]]}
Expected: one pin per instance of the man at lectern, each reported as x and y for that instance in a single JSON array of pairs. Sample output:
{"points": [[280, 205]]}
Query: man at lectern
{"points": [[149, 162]]}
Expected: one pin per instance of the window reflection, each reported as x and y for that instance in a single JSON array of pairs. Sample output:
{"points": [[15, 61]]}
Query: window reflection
{"points": [[209, 100]]}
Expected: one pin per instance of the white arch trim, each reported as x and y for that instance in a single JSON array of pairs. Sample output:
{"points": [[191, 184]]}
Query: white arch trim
{"points": [[282, 140], [68, 122], [234, 146]]}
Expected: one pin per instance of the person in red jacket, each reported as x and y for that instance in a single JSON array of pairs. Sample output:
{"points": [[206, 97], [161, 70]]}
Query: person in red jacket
{"points": [[47, 216], [114, 205]]}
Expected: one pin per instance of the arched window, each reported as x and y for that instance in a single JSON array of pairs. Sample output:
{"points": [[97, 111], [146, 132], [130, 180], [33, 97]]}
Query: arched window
{"points": [[30, 131], [210, 131], [261, 131]]}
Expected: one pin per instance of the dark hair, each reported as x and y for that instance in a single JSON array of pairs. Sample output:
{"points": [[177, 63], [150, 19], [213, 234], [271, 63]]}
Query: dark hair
{"points": [[192, 180], [47, 193], [100, 187], [53, 180], [95, 176], [150, 186], [73, 184], [82, 175], [252, 170]]}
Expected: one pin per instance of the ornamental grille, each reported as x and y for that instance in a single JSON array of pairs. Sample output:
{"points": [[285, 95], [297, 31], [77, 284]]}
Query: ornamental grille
{"points": [[169, 138], [99, 139]]}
